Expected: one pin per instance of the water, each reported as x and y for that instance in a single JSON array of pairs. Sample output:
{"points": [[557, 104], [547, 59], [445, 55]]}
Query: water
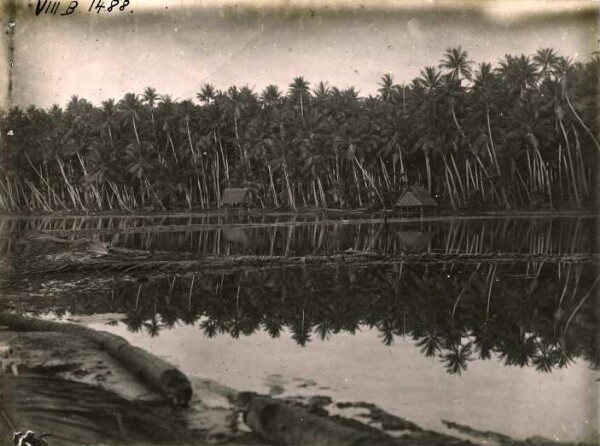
{"points": [[485, 322]]}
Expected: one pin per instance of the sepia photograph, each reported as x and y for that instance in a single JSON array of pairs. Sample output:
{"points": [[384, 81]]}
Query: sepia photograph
{"points": [[299, 223]]}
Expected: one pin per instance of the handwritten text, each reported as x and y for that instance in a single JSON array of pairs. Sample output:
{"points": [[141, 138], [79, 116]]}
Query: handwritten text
{"points": [[65, 8]]}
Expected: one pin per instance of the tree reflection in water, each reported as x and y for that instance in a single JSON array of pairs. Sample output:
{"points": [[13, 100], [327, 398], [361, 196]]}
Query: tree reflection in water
{"points": [[455, 312], [538, 311]]}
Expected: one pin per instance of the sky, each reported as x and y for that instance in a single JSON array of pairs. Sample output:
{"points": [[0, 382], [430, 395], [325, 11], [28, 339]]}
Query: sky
{"points": [[177, 45]]}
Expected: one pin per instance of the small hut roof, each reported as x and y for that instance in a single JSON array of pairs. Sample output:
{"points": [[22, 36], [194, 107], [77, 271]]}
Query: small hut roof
{"points": [[235, 196], [416, 196]]}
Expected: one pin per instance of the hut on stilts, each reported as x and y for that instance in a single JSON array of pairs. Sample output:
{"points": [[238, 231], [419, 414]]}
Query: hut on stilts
{"points": [[236, 198], [415, 198]]}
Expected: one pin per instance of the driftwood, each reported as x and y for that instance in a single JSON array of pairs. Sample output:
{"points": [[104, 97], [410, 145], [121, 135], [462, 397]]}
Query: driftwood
{"points": [[156, 372], [285, 424]]}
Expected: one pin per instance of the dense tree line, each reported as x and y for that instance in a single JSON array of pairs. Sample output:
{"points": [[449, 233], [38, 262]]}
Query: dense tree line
{"points": [[520, 134]]}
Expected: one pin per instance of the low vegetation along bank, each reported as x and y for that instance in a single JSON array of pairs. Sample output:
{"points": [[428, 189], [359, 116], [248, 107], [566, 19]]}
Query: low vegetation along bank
{"points": [[519, 134]]}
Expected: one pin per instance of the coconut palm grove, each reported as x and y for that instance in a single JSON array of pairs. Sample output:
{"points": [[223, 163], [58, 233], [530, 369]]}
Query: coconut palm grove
{"points": [[518, 134]]}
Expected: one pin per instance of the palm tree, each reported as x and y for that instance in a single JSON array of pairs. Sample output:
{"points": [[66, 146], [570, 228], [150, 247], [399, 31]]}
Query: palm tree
{"points": [[457, 64], [530, 130], [431, 81], [563, 68], [299, 92], [322, 91], [386, 89], [151, 98], [519, 72], [545, 60], [487, 93], [129, 106], [109, 118], [168, 111], [524, 128], [78, 106], [207, 94], [270, 96]]}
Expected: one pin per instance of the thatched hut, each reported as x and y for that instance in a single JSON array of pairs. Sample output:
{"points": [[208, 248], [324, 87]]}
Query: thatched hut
{"points": [[236, 197], [416, 197]]}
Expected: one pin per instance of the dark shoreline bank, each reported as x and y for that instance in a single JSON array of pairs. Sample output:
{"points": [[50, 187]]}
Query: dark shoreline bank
{"points": [[223, 212]]}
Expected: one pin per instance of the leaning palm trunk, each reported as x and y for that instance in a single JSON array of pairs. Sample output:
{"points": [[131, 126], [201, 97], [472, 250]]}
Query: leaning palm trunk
{"points": [[39, 198], [530, 180], [456, 123], [370, 178], [225, 161], [314, 190], [458, 178], [386, 175], [243, 157], [471, 173], [291, 200], [581, 120], [450, 190], [570, 163], [74, 195], [137, 137], [492, 154], [189, 135], [275, 200], [204, 181], [93, 189], [169, 142], [560, 176], [451, 185], [323, 200], [518, 172], [545, 176], [580, 162], [50, 188], [428, 169], [217, 179], [200, 192], [357, 185], [402, 172]]}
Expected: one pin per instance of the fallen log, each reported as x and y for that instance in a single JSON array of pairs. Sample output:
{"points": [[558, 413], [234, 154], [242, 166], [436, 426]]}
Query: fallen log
{"points": [[154, 371], [281, 423]]}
